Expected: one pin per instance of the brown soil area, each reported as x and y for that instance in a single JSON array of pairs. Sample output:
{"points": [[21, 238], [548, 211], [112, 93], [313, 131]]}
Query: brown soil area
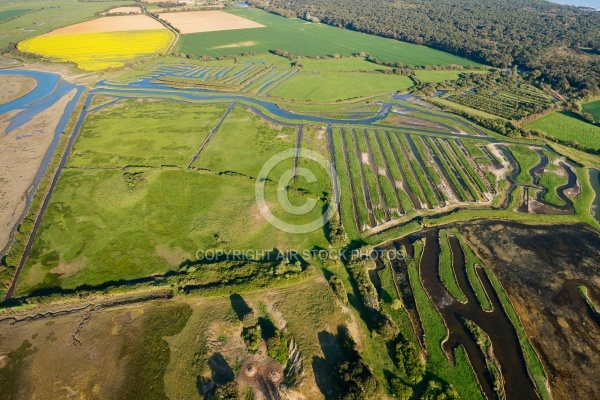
{"points": [[124, 10], [21, 153], [110, 24], [207, 21], [540, 268], [15, 86]]}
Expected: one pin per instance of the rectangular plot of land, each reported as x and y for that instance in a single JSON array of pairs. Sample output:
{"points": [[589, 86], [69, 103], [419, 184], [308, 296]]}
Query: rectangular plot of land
{"points": [[207, 21], [119, 23]]}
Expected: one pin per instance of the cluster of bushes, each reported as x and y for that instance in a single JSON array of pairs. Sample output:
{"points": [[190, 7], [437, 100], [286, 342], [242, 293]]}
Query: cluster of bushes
{"points": [[355, 380], [334, 231], [277, 347], [338, 288], [409, 360], [379, 321], [251, 332]]}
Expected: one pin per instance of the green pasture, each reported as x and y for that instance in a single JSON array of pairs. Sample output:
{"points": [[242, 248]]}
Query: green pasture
{"points": [[592, 108], [148, 133], [336, 86], [107, 225], [568, 127], [12, 13]]}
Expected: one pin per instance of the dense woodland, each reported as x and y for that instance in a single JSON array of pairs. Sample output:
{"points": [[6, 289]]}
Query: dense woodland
{"points": [[554, 44]]}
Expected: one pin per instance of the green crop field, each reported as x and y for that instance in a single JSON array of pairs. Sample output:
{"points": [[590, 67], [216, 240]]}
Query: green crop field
{"points": [[8, 14], [568, 127], [135, 132], [331, 86], [307, 39], [592, 108]]}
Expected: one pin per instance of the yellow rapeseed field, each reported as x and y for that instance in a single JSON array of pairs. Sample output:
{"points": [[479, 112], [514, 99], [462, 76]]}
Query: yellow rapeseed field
{"points": [[97, 51]]}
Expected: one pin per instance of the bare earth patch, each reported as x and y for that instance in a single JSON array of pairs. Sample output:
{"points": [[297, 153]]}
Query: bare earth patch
{"points": [[21, 154], [207, 21], [15, 86], [124, 10], [239, 44], [119, 23]]}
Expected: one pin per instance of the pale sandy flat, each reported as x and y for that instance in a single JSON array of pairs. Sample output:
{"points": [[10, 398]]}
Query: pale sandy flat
{"points": [[117, 23], [124, 10], [15, 86], [21, 154], [207, 21]]}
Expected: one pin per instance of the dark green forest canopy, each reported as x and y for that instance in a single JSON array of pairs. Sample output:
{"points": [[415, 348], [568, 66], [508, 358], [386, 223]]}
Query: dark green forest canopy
{"points": [[556, 44]]}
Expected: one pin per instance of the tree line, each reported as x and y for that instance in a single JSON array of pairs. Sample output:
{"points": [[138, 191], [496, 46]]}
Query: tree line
{"points": [[554, 44]]}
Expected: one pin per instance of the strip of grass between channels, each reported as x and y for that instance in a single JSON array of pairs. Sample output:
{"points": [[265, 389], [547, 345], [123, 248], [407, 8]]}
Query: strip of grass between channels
{"points": [[446, 269], [461, 375], [348, 214]]}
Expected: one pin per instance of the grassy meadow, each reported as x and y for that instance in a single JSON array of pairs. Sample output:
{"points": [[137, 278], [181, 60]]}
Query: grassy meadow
{"points": [[107, 225], [306, 39], [147, 133], [13, 13], [327, 87], [244, 133], [566, 126], [592, 108]]}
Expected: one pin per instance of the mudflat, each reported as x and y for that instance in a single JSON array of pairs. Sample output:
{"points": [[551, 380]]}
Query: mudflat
{"points": [[22, 152], [541, 268]]}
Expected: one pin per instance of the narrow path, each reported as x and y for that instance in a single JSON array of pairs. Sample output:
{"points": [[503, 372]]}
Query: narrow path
{"points": [[210, 135]]}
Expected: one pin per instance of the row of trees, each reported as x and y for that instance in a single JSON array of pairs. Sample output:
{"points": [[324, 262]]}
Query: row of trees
{"points": [[557, 44]]}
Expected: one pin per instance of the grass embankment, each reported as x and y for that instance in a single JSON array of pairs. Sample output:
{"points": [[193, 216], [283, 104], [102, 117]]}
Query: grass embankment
{"points": [[446, 270], [17, 249], [471, 260]]}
